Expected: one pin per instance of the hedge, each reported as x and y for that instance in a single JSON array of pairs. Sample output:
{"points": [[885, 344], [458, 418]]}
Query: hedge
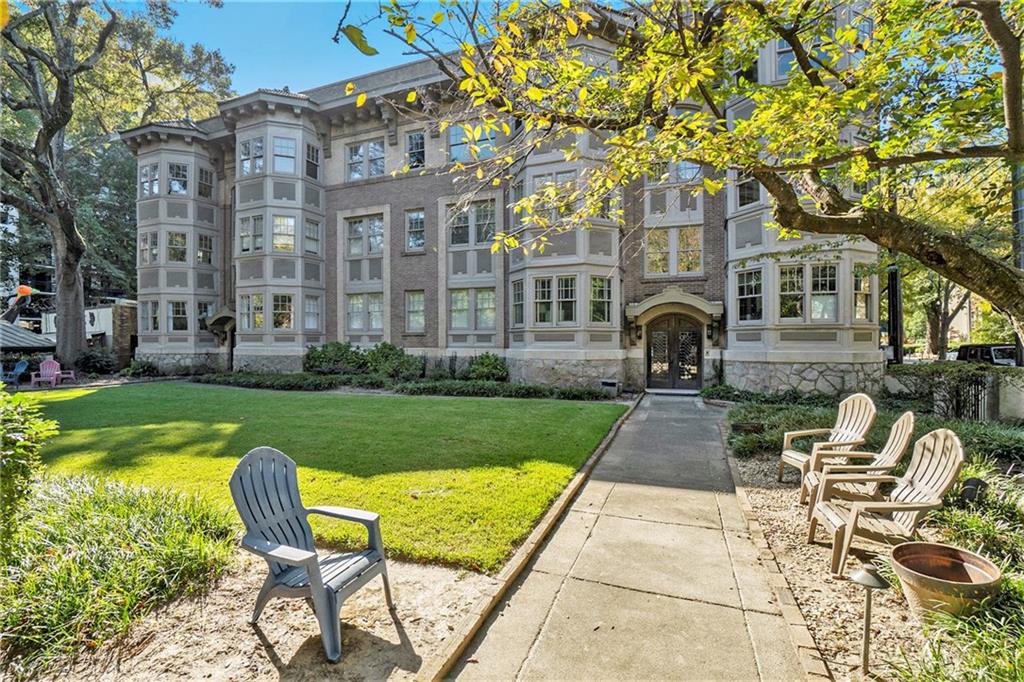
{"points": [[300, 381], [497, 389], [987, 440]]}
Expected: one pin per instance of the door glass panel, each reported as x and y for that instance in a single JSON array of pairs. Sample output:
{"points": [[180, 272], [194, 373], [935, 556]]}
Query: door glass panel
{"points": [[687, 363], [659, 354]]}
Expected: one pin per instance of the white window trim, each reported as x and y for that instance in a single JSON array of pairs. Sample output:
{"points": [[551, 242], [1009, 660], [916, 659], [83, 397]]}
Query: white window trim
{"points": [[673, 253], [739, 320], [423, 218], [591, 300]]}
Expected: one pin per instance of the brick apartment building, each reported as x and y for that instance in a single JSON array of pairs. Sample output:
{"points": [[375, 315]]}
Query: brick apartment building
{"points": [[279, 224]]}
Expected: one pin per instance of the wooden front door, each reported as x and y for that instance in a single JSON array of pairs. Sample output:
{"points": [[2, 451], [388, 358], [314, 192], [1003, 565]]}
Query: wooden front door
{"points": [[674, 354]]}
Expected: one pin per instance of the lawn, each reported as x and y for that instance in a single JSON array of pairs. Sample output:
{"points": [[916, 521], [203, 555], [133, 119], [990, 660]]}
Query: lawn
{"points": [[457, 481]]}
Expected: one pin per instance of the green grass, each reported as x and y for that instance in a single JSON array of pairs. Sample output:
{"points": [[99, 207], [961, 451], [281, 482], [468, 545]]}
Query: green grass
{"points": [[456, 481], [91, 557]]}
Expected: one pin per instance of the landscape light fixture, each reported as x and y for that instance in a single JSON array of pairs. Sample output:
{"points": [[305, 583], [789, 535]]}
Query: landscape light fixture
{"points": [[867, 575]]}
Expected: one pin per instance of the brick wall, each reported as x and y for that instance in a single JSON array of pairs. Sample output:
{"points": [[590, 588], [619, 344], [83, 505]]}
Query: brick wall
{"points": [[710, 285], [409, 271]]}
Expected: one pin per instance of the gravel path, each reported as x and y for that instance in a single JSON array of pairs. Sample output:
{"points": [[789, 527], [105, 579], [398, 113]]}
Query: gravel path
{"points": [[210, 638], [833, 609]]}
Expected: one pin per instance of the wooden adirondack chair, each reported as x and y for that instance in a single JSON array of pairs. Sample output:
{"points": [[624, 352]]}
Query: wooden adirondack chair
{"points": [[856, 414], [49, 373], [266, 493], [881, 462], [933, 468]]}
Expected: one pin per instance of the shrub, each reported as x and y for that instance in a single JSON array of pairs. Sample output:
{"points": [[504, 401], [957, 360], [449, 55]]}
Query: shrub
{"points": [[488, 367], [580, 393], [92, 557], [497, 389], [439, 370], [140, 368], [787, 397], [22, 433], [97, 360], [981, 440], [335, 358], [369, 381], [391, 361], [946, 386], [299, 381], [11, 359]]}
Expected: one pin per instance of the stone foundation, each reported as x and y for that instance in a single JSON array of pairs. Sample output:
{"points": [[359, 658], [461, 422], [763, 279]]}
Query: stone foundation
{"points": [[552, 372], [267, 363], [823, 378], [185, 363]]}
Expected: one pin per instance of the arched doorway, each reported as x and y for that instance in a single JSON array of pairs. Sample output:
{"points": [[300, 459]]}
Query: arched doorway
{"points": [[674, 352]]}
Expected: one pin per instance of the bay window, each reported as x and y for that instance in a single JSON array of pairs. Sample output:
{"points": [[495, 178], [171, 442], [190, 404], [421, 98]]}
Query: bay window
{"points": [[542, 300], [177, 178], [177, 247], [791, 291], [824, 293], [862, 294], [250, 312], [284, 233], [749, 295], [311, 244], [282, 311], [149, 180], [312, 313], [567, 299], [312, 161], [250, 233], [600, 299], [177, 316], [284, 155], [518, 303], [205, 183], [204, 249], [250, 156]]}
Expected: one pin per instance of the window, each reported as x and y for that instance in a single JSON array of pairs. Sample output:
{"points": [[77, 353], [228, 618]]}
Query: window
{"points": [[748, 191], [483, 221], [657, 249], [354, 311], [312, 240], [674, 250], [284, 233], [366, 159], [748, 293], [783, 58], [824, 293], [748, 74], [518, 314], [355, 237], [149, 248], [459, 308], [791, 291], [542, 300], [312, 161], [485, 310], [466, 147], [250, 311], [177, 178], [284, 155], [177, 247], [149, 179], [566, 299], [312, 312], [375, 311], [560, 205], [861, 294], [250, 156], [479, 215], [460, 229], [204, 251], [149, 316], [415, 149], [415, 311], [204, 309], [688, 171], [250, 233], [282, 311], [205, 183], [415, 230], [515, 217], [600, 299], [177, 316]]}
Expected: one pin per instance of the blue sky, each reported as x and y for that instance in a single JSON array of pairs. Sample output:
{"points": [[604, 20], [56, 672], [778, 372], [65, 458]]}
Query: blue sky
{"points": [[274, 44]]}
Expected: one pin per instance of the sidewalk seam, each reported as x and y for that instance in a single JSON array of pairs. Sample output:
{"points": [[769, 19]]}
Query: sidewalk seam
{"points": [[810, 657]]}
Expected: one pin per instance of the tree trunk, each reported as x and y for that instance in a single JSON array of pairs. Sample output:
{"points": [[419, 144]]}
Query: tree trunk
{"points": [[933, 320], [70, 293]]}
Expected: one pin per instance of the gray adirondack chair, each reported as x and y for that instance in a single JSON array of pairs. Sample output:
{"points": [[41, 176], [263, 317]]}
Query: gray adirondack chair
{"points": [[266, 494]]}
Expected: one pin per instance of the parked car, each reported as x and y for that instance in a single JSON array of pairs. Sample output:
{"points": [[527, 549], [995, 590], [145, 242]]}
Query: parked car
{"points": [[991, 354]]}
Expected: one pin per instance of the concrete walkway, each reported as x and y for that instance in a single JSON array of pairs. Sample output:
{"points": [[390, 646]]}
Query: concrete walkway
{"points": [[650, 575]]}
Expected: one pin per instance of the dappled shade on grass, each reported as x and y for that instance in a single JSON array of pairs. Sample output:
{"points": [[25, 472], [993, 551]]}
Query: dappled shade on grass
{"points": [[456, 481]]}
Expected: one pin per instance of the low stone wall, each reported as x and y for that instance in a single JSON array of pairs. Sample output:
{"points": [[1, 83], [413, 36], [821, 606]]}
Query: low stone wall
{"points": [[564, 372], [268, 363], [827, 378], [185, 363]]}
